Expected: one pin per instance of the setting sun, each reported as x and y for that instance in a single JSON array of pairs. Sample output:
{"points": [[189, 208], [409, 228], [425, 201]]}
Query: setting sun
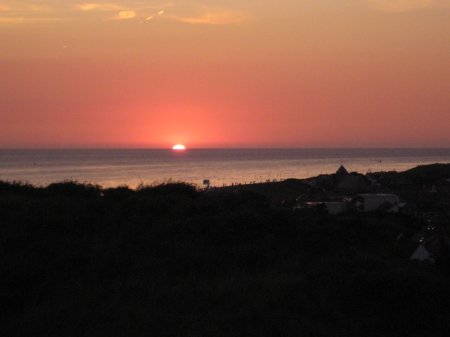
{"points": [[220, 97], [178, 147]]}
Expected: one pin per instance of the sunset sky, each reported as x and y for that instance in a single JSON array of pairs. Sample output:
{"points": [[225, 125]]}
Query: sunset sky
{"points": [[235, 73]]}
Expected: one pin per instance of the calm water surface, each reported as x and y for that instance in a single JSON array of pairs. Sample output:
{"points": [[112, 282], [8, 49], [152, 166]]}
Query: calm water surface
{"points": [[115, 167]]}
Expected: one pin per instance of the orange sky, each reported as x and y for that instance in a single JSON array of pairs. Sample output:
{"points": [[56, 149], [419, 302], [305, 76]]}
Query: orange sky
{"points": [[285, 73]]}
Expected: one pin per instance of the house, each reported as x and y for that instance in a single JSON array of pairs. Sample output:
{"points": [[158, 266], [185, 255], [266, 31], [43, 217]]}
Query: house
{"points": [[428, 249], [372, 202], [341, 173], [349, 183], [422, 254]]}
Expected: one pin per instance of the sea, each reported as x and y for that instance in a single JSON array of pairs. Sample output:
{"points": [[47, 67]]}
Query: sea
{"points": [[222, 167]]}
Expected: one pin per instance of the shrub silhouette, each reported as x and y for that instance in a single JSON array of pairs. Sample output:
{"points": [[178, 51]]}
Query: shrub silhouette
{"points": [[70, 188]]}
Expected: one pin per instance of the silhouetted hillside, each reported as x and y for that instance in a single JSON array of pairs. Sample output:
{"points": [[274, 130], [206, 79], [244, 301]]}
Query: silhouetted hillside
{"points": [[171, 260], [428, 174]]}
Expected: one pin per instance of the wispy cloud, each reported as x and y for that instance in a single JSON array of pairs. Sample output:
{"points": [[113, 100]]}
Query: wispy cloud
{"points": [[123, 15], [397, 6], [23, 12], [152, 16], [132, 10], [123, 6], [101, 7], [23, 8], [33, 11], [213, 16], [28, 20]]}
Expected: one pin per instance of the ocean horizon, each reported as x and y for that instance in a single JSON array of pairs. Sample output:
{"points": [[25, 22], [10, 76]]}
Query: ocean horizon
{"points": [[110, 167]]}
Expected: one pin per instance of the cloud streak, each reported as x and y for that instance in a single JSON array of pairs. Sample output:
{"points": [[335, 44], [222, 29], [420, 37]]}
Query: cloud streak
{"points": [[124, 15], [102, 7], [213, 16], [23, 12], [27, 11], [23, 8]]}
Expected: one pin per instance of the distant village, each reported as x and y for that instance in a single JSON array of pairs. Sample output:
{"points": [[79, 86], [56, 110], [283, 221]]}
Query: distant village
{"points": [[423, 193]]}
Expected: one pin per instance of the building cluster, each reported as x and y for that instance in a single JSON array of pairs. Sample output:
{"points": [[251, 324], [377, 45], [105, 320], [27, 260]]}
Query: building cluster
{"points": [[343, 191], [427, 204]]}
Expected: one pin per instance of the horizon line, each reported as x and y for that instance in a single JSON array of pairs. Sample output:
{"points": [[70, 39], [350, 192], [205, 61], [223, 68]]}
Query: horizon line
{"points": [[222, 148]]}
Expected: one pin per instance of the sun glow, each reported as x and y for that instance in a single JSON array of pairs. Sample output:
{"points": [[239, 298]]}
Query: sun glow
{"points": [[178, 147]]}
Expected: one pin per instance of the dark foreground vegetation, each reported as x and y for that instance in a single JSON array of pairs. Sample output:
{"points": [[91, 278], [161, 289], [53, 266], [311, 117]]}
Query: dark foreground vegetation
{"points": [[170, 260]]}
